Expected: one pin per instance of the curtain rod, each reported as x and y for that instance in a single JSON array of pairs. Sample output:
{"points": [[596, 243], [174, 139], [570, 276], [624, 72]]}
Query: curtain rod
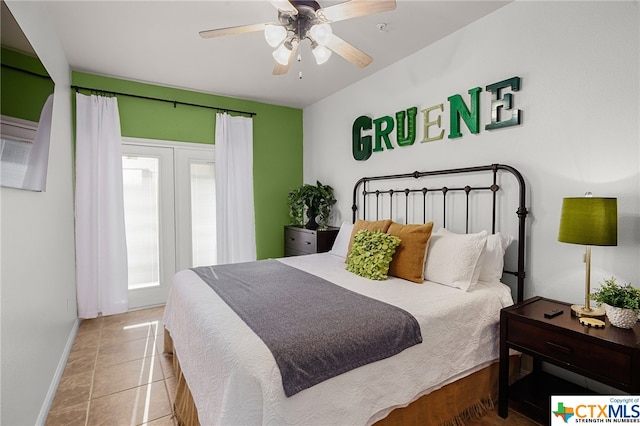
{"points": [[11, 67], [78, 88]]}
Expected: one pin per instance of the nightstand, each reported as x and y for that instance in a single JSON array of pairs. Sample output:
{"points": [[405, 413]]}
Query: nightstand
{"points": [[608, 355], [299, 241]]}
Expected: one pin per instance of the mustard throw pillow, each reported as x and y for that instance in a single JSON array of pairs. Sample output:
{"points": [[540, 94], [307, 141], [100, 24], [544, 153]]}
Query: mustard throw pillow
{"points": [[408, 261]]}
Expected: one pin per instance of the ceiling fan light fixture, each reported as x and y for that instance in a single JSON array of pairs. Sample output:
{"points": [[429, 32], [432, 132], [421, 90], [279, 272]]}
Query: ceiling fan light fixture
{"points": [[281, 54], [306, 19], [321, 53], [274, 34], [321, 33]]}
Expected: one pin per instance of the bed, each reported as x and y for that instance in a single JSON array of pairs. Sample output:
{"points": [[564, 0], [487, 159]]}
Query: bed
{"points": [[228, 373]]}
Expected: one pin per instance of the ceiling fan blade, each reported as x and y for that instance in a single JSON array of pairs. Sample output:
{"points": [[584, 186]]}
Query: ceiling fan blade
{"points": [[284, 5], [232, 30], [349, 51], [280, 69], [354, 9]]}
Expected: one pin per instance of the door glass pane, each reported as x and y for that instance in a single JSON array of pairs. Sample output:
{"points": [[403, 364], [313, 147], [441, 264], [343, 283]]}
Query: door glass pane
{"points": [[203, 214], [141, 208]]}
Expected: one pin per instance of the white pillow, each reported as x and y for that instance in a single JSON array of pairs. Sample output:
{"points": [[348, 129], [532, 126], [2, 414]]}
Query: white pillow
{"points": [[492, 259], [341, 244], [454, 259]]}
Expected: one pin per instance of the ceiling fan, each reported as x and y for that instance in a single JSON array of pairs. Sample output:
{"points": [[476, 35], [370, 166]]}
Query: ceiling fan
{"points": [[304, 19]]}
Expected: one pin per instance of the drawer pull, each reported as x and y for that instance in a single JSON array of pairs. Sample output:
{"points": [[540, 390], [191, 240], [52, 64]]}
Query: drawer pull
{"points": [[559, 347], [308, 242]]}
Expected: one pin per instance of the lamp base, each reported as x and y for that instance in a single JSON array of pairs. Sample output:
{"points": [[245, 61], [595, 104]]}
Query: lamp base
{"points": [[582, 311]]}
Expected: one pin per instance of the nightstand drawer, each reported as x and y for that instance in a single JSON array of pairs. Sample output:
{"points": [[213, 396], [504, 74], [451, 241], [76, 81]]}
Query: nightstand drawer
{"points": [[300, 241], [575, 352]]}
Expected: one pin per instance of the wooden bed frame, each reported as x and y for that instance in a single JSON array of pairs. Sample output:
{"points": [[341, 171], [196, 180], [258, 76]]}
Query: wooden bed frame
{"points": [[471, 396]]}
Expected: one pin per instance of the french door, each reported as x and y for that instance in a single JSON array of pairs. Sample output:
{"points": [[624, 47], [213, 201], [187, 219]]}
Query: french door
{"points": [[169, 202]]}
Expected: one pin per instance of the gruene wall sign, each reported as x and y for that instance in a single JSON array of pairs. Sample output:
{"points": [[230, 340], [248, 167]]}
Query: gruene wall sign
{"points": [[406, 120]]}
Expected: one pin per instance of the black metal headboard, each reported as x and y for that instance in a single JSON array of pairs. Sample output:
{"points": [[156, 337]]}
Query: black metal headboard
{"points": [[417, 196]]}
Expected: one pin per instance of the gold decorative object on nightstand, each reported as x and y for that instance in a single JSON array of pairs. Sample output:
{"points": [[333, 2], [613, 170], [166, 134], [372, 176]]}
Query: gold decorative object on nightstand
{"points": [[591, 322]]}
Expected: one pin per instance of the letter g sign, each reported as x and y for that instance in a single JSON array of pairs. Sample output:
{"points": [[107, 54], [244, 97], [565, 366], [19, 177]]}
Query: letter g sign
{"points": [[361, 145]]}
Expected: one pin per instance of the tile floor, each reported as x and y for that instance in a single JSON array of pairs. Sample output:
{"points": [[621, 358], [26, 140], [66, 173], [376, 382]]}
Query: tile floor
{"points": [[117, 375]]}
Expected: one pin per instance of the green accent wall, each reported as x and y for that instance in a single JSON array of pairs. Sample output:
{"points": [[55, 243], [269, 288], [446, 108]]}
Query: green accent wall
{"points": [[277, 142], [23, 94]]}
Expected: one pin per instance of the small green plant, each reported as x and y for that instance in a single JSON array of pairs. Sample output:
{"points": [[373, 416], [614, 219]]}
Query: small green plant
{"points": [[311, 201], [619, 296]]}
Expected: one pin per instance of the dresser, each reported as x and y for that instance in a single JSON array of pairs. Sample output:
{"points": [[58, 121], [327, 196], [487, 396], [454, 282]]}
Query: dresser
{"points": [[609, 355], [299, 241]]}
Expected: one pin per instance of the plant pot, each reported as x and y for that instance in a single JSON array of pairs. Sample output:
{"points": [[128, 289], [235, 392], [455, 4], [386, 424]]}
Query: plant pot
{"points": [[619, 317], [311, 215]]}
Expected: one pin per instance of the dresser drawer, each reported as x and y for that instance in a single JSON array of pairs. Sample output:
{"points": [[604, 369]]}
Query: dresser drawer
{"points": [[300, 241], [578, 354]]}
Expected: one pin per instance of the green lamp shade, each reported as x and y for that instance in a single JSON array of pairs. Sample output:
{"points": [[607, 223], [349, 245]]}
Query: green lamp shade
{"points": [[589, 221]]}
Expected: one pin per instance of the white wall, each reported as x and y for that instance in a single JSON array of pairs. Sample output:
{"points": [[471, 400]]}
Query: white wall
{"points": [[579, 64], [38, 307]]}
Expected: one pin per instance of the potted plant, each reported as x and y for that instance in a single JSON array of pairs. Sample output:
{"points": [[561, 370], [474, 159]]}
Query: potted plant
{"points": [[312, 201], [621, 302]]}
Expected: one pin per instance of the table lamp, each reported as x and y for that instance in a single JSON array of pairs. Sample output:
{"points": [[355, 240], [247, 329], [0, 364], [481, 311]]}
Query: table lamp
{"points": [[590, 221]]}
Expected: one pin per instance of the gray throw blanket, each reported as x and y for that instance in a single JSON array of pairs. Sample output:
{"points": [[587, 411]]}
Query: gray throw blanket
{"points": [[314, 329]]}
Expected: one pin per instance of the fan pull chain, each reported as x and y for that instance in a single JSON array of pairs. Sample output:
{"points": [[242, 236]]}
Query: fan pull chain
{"points": [[299, 61]]}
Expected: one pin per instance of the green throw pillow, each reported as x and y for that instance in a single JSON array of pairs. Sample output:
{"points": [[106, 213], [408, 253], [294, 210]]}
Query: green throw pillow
{"points": [[371, 254]]}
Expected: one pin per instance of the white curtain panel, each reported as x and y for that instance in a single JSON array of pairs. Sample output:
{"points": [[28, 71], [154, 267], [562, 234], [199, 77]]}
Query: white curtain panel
{"points": [[36, 177], [101, 251], [234, 189]]}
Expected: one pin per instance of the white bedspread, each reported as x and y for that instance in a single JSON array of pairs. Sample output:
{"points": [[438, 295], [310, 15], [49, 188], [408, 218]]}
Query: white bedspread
{"points": [[234, 379]]}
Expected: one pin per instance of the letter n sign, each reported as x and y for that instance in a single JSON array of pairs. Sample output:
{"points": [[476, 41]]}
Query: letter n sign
{"points": [[458, 110]]}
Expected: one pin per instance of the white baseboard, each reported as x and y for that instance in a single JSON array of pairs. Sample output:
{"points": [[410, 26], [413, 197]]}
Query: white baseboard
{"points": [[48, 400]]}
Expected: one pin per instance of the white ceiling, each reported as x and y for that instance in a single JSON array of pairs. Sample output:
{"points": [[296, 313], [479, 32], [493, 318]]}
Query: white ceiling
{"points": [[12, 35], [158, 42]]}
